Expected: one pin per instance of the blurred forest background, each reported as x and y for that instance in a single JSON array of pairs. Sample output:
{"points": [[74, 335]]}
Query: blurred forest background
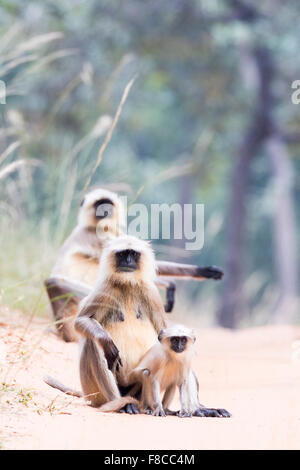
{"points": [[209, 119]]}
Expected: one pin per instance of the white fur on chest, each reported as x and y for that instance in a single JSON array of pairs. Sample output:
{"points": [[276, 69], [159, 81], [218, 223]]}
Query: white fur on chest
{"points": [[133, 337]]}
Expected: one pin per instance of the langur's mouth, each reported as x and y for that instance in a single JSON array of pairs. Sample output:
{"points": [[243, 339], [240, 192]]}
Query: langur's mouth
{"points": [[126, 269]]}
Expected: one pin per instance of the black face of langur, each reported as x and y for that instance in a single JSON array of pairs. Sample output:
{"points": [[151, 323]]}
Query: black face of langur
{"points": [[178, 343], [103, 208], [127, 260]]}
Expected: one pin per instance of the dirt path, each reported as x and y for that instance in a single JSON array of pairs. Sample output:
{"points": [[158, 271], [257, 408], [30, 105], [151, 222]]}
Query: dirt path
{"points": [[251, 373]]}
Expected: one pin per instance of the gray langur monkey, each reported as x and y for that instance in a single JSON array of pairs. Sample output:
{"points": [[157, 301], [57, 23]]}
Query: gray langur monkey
{"points": [[76, 269], [119, 320], [101, 218], [166, 366]]}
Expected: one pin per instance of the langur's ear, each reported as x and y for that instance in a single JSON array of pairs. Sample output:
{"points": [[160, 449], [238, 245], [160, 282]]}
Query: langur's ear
{"points": [[193, 336], [82, 202], [160, 335]]}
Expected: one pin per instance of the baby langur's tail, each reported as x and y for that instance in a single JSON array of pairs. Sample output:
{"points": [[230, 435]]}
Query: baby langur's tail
{"points": [[109, 407]]}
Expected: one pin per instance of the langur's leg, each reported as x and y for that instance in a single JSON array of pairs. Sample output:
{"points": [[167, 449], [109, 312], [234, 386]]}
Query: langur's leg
{"points": [[99, 355], [64, 295], [133, 391], [97, 381], [170, 293]]}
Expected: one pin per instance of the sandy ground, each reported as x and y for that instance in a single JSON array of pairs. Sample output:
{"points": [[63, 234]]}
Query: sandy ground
{"points": [[254, 373]]}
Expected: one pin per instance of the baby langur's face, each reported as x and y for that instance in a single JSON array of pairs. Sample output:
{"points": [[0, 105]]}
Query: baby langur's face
{"points": [[178, 343], [127, 260], [177, 338]]}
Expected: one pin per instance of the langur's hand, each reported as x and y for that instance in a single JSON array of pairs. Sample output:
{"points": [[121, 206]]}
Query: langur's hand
{"points": [[170, 297], [212, 272], [111, 353]]}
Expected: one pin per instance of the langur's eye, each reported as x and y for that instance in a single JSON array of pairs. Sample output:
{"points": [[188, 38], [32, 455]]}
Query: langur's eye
{"points": [[174, 339], [136, 255], [184, 339], [104, 208]]}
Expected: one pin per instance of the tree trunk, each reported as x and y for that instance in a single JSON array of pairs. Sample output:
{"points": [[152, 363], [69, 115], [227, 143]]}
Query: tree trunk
{"points": [[233, 303], [285, 245], [186, 196]]}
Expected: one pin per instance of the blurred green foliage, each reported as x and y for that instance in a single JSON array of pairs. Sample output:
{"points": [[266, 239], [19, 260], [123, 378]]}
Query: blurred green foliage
{"points": [[66, 63]]}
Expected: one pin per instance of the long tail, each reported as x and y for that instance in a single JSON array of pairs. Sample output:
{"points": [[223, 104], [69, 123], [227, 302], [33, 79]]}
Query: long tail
{"points": [[109, 407], [56, 384]]}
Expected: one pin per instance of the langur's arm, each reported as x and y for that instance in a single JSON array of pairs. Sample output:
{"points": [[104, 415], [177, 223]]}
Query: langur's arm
{"points": [[89, 327], [170, 292], [168, 397], [157, 404], [187, 271], [184, 401], [155, 309]]}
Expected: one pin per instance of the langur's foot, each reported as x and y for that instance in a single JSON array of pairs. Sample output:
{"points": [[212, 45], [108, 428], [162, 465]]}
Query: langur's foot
{"points": [[212, 413], [131, 409], [224, 413], [184, 414], [159, 411], [212, 272], [170, 412]]}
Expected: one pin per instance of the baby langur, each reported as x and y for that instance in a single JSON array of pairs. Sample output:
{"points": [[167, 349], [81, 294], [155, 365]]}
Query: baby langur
{"points": [[164, 367]]}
